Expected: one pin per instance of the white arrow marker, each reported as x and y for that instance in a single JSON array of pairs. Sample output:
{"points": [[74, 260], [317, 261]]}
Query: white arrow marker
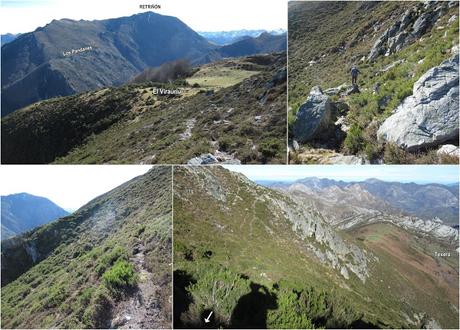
{"points": [[206, 320]]}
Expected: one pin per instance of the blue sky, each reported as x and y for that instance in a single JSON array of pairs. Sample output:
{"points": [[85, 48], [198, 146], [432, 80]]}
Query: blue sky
{"points": [[399, 173], [69, 186], [201, 15]]}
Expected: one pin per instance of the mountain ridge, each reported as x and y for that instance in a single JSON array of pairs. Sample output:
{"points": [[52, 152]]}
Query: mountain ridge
{"points": [[22, 212], [408, 198], [68, 56]]}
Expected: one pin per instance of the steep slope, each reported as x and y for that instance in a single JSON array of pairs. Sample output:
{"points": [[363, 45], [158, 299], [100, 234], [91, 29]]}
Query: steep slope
{"points": [[400, 48], [23, 212], [66, 56], [234, 107], [261, 258], [100, 267]]}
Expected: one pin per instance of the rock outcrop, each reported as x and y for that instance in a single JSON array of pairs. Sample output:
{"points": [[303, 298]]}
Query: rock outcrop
{"points": [[414, 23], [219, 157], [430, 116], [314, 116]]}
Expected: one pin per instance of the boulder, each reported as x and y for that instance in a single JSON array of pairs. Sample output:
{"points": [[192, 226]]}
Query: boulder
{"points": [[204, 159], [396, 43], [453, 3], [391, 66], [335, 90], [314, 116], [378, 48], [344, 272], [430, 116], [448, 149], [346, 160], [352, 90], [295, 145], [406, 18]]}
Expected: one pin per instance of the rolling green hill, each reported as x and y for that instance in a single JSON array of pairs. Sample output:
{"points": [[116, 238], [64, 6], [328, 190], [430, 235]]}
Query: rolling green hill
{"points": [[234, 107], [106, 265]]}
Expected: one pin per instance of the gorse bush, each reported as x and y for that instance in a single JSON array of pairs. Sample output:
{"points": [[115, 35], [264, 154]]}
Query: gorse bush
{"points": [[120, 277], [354, 140], [290, 314], [217, 289], [237, 302], [108, 259]]}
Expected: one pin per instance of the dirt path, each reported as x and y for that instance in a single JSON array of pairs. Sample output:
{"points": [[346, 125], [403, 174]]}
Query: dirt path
{"points": [[142, 309]]}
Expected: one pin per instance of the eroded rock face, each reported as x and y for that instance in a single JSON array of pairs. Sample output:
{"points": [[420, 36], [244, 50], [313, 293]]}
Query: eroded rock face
{"points": [[314, 116], [430, 116], [413, 24]]}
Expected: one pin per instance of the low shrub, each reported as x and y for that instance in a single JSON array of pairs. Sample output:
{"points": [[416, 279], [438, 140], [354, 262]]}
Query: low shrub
{"points": [[120, 277]]}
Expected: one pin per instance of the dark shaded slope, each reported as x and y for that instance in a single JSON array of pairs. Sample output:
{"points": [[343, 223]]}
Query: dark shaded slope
{"points": [[59, 274], [22, 212], [265, 43]]}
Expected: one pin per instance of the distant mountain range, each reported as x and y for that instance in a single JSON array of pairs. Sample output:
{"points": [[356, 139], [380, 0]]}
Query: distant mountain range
{"points": [[23, 212], [227, 37], [8, 37], [426, 201], [264, 43], [67, 56]]}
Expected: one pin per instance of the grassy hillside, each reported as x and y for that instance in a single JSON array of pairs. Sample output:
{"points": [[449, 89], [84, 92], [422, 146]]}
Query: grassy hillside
{"points": [[235, 106], [85, 270], [410, 269], [236, 254], [319, 56]]}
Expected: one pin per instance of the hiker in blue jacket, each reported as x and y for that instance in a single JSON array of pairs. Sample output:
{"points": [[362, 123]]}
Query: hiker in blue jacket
{"points": [[354, 75]]}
